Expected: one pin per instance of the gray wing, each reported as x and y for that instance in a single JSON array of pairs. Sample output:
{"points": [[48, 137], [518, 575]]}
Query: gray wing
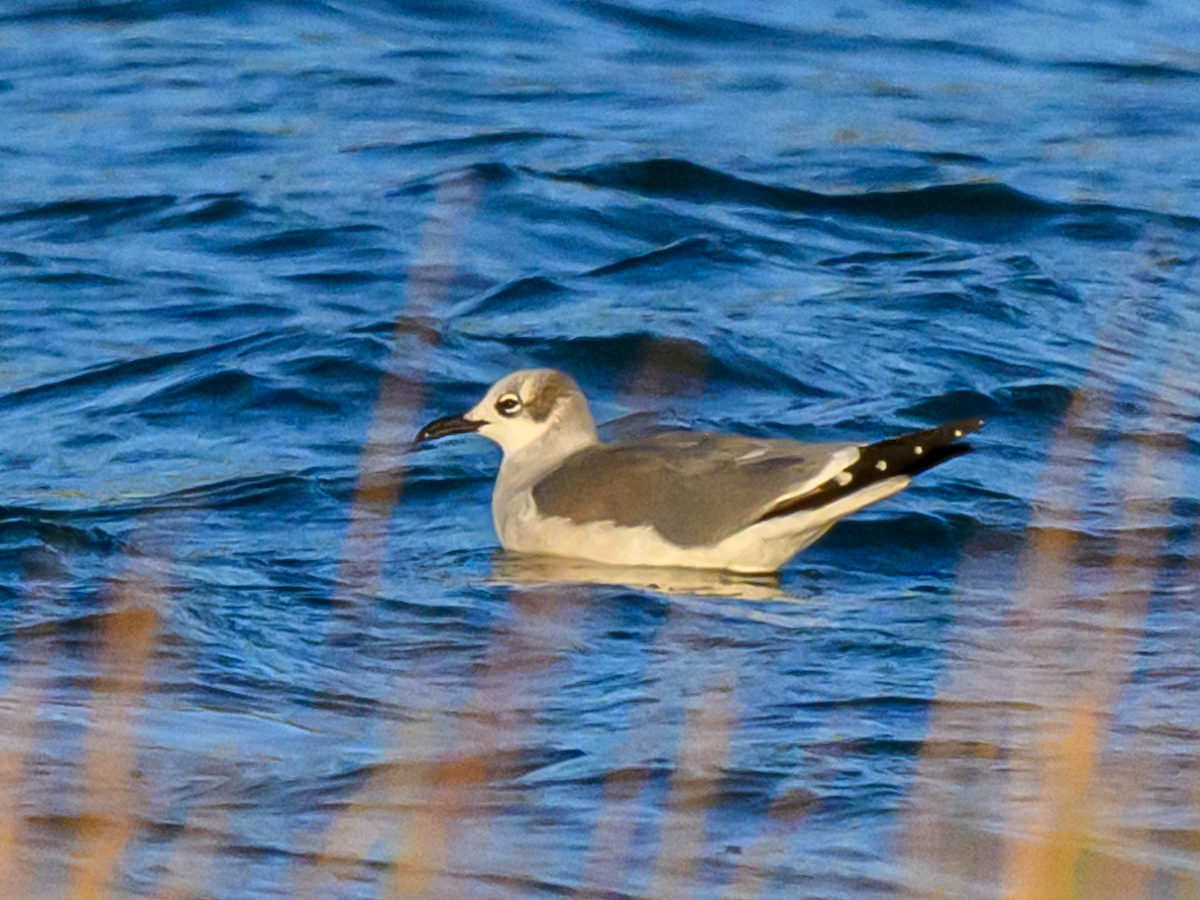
{"points": [[694, 488]]}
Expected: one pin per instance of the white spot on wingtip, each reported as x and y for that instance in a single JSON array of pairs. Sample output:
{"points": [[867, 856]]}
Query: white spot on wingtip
{"points": [[918, 449], [844, 478], [881, 465], [957, 432]]}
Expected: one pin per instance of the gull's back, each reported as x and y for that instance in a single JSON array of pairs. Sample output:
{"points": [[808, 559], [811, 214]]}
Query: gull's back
{"points": [[694, 488]]}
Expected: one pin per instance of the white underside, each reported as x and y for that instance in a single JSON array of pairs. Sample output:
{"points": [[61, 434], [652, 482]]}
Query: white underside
{"points": [[762, 547]]}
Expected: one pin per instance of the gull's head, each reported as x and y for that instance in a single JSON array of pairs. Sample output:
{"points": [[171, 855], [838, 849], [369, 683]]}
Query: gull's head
{"points": [[530, 407]]}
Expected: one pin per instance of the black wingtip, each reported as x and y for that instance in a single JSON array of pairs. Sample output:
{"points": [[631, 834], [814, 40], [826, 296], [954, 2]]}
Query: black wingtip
{"points": [[934, 457], [961, 428], [910, 454], [906, 455]]}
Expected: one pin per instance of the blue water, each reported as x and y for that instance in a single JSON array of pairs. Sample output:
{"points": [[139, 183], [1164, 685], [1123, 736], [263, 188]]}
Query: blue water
{"points": [[247, 249]]}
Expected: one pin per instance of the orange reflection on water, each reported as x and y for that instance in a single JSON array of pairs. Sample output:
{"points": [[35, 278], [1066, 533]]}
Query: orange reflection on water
{"points": [[111, 802], [1055, 815]]}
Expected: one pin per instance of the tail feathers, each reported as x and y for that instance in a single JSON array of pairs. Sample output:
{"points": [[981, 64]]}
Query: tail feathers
{"points": [[907, 455]]}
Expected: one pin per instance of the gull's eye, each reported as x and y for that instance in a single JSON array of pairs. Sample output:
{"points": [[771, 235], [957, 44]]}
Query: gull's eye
{"points": [[508, 405]]}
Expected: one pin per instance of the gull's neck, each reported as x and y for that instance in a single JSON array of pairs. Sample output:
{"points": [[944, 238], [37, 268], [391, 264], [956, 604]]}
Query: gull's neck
{"points": [[522, 467]]}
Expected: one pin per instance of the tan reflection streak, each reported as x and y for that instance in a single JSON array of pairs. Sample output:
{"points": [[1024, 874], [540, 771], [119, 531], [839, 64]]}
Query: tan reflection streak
{"points": [[1047, 686], [1077, 809], [669, 366], [946, 846], [372, 812], [111, 803], [380, 481], [1041, 866], [194, 855], [20, 705], [18, 734], [392, 425], [1189, 879], [423, 803], [542, 628], [703, 751], [786, 813], [1073, 799], [1048, 794], [607, 860], [428, 839], [947, 850], [613, 833]]}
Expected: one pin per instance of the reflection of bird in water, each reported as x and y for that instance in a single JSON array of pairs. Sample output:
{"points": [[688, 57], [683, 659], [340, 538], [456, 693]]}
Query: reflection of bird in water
{"points": [[524, 570]]}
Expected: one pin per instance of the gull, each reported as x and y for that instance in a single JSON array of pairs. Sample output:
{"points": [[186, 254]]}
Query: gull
{"points": [[681, 498]]}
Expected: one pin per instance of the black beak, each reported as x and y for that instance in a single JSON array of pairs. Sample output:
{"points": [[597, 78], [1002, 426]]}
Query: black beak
{"points": [[440, 428]]}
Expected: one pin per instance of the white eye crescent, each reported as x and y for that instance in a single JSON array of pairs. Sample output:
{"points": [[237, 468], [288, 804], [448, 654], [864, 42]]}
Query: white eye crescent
{"points": [[508, 405]]}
